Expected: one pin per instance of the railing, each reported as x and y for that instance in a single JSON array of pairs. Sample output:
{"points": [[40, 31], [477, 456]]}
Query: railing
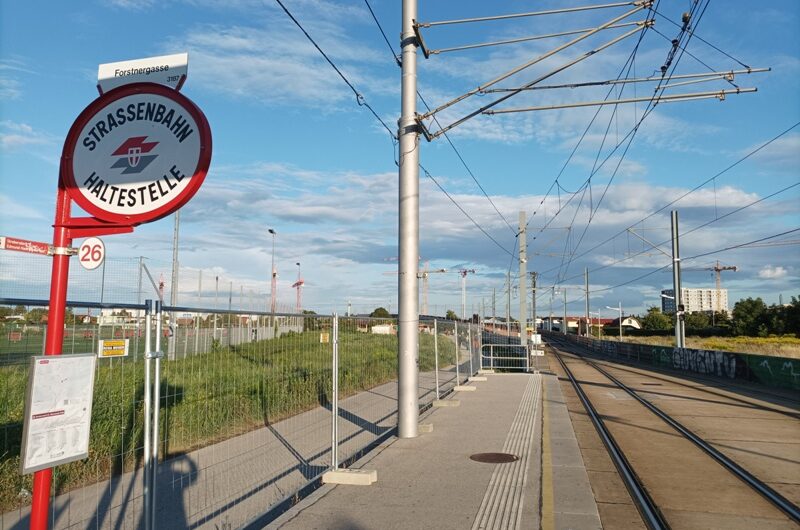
{"points": [[251, 408], [506, 357]]}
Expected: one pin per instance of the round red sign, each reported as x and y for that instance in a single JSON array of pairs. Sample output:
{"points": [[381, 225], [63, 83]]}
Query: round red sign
{"points": [[136, 154]]}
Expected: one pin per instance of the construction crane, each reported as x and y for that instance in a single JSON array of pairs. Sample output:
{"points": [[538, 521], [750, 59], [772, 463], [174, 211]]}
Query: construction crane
{"points": [[299, 285], [422, 275], [463, 273], [718, 273]]}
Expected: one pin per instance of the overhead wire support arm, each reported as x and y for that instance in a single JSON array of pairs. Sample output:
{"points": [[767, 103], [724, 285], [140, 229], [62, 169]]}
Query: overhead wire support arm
{"points": [[652, 245], [429, 136], [525, 39], [713, 94], [705, 76], [537, 60], [529, 14]]}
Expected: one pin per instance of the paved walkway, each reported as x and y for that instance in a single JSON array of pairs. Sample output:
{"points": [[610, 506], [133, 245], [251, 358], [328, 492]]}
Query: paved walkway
{"points": [[431, 482], [227, 484]]}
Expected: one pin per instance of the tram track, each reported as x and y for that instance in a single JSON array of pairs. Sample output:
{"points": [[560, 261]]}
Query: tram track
{"points": [[646, 501], [695, 378]]}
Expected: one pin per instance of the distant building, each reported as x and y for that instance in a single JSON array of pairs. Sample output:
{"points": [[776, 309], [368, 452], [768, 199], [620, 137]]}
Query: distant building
{"points": [[695, 300], [383, 329], [627, 322]]}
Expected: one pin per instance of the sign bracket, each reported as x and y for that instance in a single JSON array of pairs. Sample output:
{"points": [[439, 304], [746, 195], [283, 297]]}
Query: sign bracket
{"points": [[79, 227]]}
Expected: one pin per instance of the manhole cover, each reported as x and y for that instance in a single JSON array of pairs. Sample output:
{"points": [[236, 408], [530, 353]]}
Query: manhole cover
{"points": [[494, 458]]}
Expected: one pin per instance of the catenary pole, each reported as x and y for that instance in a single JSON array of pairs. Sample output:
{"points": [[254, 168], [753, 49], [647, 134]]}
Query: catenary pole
{"points": [[533, 302], [676, 282], [523, 273], [508, 307], [408, 290], [586, 287]]}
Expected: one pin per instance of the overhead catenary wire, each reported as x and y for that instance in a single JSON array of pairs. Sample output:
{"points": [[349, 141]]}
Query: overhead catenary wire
{"points": [[668, 68], [697, 256], [477, 225], [627, 66], [687, 232], [363, 103], [452, 145], [693, 56], [731, 166], [359, 98], [701, 39]]}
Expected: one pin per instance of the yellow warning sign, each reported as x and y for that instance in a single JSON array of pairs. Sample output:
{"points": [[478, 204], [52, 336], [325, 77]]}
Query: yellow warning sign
{"points": [[112, 348], [324, 337]]}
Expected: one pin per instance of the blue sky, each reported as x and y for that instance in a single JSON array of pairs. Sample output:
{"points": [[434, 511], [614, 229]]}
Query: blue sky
{"points": [[293, 150]]}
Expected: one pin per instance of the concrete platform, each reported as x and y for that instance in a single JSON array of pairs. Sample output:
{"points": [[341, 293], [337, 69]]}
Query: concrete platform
{"points": [[431, 482]]}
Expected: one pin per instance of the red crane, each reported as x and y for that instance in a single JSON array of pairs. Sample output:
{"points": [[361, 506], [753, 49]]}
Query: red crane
{"points": [[299, 286]]}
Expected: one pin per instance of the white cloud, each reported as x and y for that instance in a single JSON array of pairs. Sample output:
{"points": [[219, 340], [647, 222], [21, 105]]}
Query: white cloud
{"points": [[12, 209], [769, 272], [783, 153], [274, 63], [10, 87], [132, 5], [15, 135]]}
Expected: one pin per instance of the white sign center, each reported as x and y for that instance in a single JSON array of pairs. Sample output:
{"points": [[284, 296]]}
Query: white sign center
{"points": [[137, 152]]}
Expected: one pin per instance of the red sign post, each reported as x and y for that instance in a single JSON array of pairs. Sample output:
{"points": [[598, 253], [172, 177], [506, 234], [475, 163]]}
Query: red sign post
{"points": [[134, 155]]}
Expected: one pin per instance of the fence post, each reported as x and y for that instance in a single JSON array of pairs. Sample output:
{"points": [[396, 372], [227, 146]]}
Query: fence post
{"points": [[469, 338], [528, 361], [156, 408], [148, 322], [335, 395], [436, 354], [480, 345], [458, 353]]}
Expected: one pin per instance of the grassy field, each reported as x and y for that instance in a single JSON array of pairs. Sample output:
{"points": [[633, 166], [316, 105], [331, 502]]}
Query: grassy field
{"points": [[206, 398], [785, 346]]}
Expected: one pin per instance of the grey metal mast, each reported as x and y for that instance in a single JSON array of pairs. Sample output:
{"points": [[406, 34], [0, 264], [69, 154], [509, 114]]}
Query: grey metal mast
{"points": [[523, 289], [533, 302], [408, 289], [586, 285], [676, 283], [508, 307]]}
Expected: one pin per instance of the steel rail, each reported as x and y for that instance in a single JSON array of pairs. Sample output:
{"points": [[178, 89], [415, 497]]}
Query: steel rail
{"points": [[778, 500], [648, 509], [669, 376]]}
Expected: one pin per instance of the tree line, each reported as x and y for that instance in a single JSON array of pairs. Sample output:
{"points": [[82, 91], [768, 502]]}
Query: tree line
{"points": [[750, 317]]}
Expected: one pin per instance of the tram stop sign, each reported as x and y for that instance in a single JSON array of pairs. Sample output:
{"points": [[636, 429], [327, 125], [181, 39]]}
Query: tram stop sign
{"points": [[136, 154]]}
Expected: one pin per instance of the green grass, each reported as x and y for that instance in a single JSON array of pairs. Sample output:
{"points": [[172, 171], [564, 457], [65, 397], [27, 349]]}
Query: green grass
{"points": [[206, 398], [776, 346]]}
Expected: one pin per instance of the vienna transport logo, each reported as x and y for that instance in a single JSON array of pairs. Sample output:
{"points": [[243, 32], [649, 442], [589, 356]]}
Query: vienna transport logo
{"points": [[133, 155]]}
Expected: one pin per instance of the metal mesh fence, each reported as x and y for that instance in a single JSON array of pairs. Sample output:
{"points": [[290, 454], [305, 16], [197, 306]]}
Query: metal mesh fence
{"points": [[245, 405], [91, 492], [247, 421], [367, 408]]}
